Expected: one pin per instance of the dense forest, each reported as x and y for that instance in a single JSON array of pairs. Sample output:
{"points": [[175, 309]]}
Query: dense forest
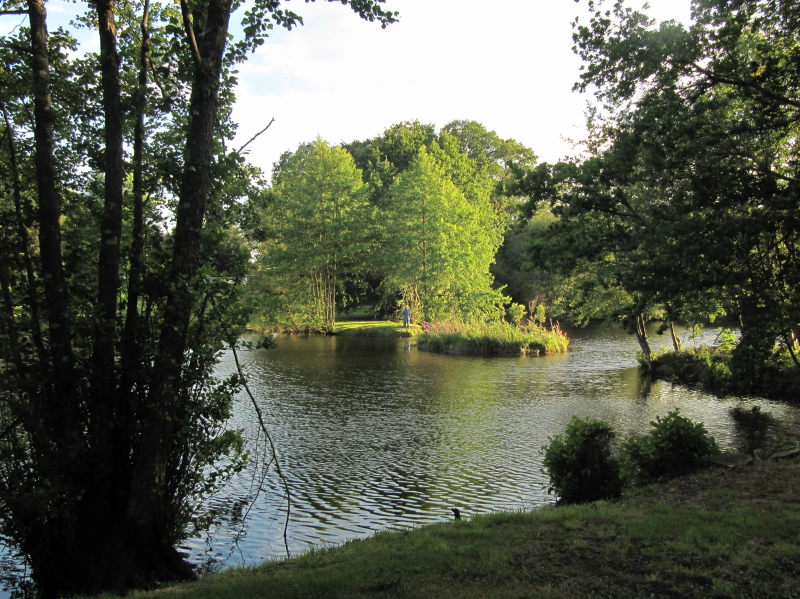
{"points": [[137, 241]]}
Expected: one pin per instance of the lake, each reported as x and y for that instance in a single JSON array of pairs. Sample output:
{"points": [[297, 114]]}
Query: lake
{"points": [[373, 434]]}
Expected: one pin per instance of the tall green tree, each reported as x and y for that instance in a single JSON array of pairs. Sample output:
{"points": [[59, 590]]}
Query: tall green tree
{"points": [[691, 193], [439, 245], [320, 229]]}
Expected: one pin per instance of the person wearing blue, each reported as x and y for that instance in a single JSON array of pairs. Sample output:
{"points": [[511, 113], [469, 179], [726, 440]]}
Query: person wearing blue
{"points": [[407, 317]]}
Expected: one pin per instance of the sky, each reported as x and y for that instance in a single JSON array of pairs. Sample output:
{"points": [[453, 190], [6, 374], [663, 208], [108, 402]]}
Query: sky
{"points": [[507, 64]]}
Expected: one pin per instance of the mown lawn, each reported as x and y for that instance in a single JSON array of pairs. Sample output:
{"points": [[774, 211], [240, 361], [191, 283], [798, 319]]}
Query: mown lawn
{"points": [[375, 328], [719, 533]]}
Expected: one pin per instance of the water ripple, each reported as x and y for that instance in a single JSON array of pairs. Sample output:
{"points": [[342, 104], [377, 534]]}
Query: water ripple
{"points": [[375, 435]]}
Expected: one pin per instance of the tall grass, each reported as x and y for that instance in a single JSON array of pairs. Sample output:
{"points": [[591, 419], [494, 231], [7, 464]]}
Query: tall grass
{"points": [[492, 338]]}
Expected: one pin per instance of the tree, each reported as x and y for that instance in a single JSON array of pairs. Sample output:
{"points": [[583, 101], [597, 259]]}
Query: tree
{"points": [[103, 462], [477, 161], [439, 245], [320, 228], [690, 197]]}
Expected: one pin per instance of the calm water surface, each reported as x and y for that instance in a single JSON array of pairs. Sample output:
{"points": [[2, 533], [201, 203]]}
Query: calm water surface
{"points": [[373, 434]]}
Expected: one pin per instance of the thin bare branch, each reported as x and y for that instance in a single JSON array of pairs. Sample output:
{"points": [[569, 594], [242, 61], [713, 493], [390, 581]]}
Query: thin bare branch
{"points": [[272, 447], [252, 139]]}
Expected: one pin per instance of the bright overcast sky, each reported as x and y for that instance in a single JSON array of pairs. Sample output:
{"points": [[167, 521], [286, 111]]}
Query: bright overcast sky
{"points": [[507, 64]]}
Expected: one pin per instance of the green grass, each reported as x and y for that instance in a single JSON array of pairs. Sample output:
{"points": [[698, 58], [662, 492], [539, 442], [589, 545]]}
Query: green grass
{"points": [[492, 338], [375, 328], [713, 534]]}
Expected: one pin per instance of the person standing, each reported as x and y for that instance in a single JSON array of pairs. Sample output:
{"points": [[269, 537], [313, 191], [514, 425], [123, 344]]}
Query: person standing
{"points": [[406, 316]]}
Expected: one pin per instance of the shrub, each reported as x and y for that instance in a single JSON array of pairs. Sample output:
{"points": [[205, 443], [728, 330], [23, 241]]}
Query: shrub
{"points": [[515, 313], [674, 446], [580, 465]]}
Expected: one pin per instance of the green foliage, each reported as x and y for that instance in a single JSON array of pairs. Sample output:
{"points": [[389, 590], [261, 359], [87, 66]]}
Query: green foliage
{"points": [[424, 228], [726, 339], [515, 313], [580, 465], [439, 245], [703, 366], [495, 337], [675, 445], [318, 229], [688, 201]]}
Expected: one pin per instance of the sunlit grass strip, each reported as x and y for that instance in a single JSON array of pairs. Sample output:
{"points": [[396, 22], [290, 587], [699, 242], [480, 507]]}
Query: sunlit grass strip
{"points": [[492, 338], [375, 328]]}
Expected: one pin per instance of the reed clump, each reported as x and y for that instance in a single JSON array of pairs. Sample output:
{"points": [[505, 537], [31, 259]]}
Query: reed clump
{"points": [[492, 338]]}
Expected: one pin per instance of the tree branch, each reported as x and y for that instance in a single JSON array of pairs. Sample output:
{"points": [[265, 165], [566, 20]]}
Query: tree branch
{"points": [[252, 139], [272, 447], [746, 84], [190, 36]]}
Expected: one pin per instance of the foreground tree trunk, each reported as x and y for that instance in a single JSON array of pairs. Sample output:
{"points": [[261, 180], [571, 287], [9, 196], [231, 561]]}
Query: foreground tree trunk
{"points": [[150, 507]]}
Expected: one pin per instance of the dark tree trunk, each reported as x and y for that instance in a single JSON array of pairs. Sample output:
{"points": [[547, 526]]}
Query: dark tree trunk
{"points": [[149, 507], [25, 252], [54, 420], [102, 530], [65, 412], [131, 362], [103, 379]]}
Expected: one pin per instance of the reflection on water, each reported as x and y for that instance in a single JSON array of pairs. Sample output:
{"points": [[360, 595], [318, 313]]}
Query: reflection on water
{"points": [[373, 434]]}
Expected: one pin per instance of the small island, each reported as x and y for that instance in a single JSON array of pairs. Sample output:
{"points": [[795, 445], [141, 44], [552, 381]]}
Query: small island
{"points": [[492, 338]]}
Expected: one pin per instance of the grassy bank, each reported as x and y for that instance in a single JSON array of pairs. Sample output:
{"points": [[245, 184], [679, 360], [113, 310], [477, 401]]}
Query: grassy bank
{"points": [[492, 338], [719, 533], [709, 368], [375, 328]]}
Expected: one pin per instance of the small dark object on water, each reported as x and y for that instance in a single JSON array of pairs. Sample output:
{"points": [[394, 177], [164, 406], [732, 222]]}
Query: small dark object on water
{"points": [[456, 513]]}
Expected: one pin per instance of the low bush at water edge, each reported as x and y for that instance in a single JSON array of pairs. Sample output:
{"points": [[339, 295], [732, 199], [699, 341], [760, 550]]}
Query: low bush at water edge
{"points": [[710, 368]]}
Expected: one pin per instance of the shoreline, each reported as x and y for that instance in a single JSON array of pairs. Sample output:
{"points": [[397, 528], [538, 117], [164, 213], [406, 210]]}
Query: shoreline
{"points": [[719, 532]]}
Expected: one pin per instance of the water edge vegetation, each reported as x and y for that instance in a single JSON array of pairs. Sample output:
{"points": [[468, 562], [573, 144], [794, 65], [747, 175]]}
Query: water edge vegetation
{"points": [[492, 338]]}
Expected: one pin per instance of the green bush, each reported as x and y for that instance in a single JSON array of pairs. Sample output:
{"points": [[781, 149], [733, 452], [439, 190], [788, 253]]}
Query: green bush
{"points": [[580, 465], [515, 313], [674, 446]]}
